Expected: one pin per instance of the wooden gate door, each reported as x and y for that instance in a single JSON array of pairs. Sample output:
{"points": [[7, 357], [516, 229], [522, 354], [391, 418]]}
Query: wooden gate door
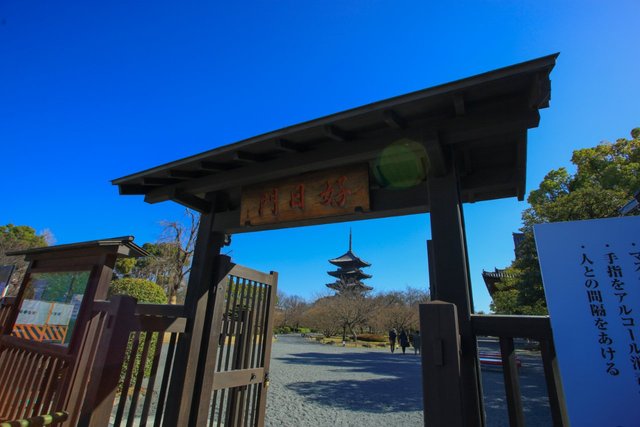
{"points": [[236, 376]]}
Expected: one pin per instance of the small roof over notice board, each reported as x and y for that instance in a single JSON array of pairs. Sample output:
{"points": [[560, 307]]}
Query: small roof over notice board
{"points": [[124, 247], [477, 125]]}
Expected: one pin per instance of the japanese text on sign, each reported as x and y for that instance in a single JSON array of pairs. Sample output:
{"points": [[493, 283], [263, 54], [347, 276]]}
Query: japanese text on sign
{"points": [[591, 276], [319, 194]]}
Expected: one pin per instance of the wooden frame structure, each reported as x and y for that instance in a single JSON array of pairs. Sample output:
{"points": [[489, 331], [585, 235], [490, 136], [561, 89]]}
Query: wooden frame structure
{"points": [[473, 133], [38, 377]]}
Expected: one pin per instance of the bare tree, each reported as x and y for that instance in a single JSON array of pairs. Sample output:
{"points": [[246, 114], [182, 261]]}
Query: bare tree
{"points": [[399, 309], [179, 240], [352, 310], [320, 316], [292, 308]]}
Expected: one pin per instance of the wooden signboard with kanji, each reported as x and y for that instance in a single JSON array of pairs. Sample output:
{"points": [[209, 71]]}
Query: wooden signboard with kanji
{"points": [[320, 194]]}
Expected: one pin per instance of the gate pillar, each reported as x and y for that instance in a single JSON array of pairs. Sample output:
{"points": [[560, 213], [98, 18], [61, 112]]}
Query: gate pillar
{"points": [[184, 383], [449, 268]]}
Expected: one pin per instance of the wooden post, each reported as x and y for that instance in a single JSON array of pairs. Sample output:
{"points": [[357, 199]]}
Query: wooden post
{"points": [[204, 385], [184, 381], [554, 384], [452, 283], [511, 382], [440, 353], [103, 382]]}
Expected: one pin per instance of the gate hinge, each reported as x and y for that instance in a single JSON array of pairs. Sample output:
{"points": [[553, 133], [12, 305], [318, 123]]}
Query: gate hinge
{"points": [[266, 380]]}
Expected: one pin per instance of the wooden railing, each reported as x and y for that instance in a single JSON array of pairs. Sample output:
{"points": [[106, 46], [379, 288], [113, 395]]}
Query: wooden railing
{"points": [[537, 328], [121, 378], [442, 358], [32, 377], [140, 342], [5, 308]]}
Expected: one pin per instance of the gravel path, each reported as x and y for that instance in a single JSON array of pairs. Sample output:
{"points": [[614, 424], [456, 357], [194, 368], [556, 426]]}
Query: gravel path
{"points": [[321, 385]]}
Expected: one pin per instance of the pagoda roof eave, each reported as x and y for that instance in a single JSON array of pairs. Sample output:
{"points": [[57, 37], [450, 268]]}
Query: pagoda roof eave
{"points": [[349, 258], [339, 286], [356, 273]]}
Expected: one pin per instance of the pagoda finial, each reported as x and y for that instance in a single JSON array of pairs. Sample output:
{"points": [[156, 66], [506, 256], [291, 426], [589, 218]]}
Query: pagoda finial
{"points": [[349, 238]]}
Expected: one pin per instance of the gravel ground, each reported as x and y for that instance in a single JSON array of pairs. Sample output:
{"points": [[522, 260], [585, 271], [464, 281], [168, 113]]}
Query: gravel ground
{"points": [[321, 385]]}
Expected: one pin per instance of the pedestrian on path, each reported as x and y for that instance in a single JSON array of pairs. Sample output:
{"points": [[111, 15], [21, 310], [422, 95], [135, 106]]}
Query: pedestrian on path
{"points": [[392, 339], [404, 340], [416, 342]]}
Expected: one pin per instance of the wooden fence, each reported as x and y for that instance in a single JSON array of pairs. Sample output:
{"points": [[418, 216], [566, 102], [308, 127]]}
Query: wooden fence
{"points": [[124, 366], [536, 328], [126, 356], [33, 378], [132, 365], [441, 362]]}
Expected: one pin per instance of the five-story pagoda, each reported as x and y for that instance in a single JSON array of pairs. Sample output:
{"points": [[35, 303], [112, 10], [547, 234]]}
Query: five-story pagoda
{"points": [[349, 274]]}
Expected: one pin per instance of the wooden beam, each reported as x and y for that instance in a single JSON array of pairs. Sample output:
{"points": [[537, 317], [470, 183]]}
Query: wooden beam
{"points": [[215, 166], [458, 104], [183, 174], [192, 202], [483, 125], [384, 203], [393, 120], [438, 164], [364, 148], [290, 147], [160, 181], [540, 92], [337, 134], [521, 165], [484, 178], [247, 157], [324, 157], [531, 327], [132, 189]]}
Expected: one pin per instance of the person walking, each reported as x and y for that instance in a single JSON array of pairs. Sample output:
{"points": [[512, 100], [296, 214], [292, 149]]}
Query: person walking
{"points": [[403, 338], [416, 342], [392, 339]]}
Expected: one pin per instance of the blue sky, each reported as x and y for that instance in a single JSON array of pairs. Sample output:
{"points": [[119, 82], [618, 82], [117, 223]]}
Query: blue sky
{"points": [[93, 92]]}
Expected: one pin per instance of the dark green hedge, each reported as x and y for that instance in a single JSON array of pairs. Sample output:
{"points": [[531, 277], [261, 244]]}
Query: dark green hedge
{"points": [[145, 291]]}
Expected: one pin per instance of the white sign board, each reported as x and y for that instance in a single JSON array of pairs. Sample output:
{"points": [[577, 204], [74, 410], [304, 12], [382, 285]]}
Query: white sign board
{"points": [[60, 314], [591, 276], [33, 312]]}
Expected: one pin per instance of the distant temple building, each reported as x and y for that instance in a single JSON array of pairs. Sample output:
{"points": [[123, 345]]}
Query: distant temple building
{"points": [[349, 274], [491, 278]]}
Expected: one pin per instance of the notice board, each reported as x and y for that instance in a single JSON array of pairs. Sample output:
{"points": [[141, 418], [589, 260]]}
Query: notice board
{"points": [[591, 276]]}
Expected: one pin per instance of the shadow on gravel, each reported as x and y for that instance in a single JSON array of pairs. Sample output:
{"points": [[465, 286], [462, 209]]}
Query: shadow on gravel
{"points": [[399, 391]]}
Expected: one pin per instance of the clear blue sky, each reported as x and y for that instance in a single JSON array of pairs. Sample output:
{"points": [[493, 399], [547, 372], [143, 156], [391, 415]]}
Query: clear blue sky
{"points": [[91, 92]]}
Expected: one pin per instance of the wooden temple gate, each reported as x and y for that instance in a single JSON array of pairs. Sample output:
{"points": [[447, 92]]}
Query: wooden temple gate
{"points": [[428, 151]]}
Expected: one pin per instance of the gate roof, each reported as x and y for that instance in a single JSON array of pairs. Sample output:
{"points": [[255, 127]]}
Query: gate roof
{"points": [[477, 125]]}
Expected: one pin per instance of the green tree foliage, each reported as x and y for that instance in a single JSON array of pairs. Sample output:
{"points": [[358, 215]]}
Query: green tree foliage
{"points": [[607, 176], [14, 238]]}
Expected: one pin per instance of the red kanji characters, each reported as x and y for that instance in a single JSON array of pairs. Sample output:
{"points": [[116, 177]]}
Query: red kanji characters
{"points": [[297, 197], [335, 194], [269, 202]]}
